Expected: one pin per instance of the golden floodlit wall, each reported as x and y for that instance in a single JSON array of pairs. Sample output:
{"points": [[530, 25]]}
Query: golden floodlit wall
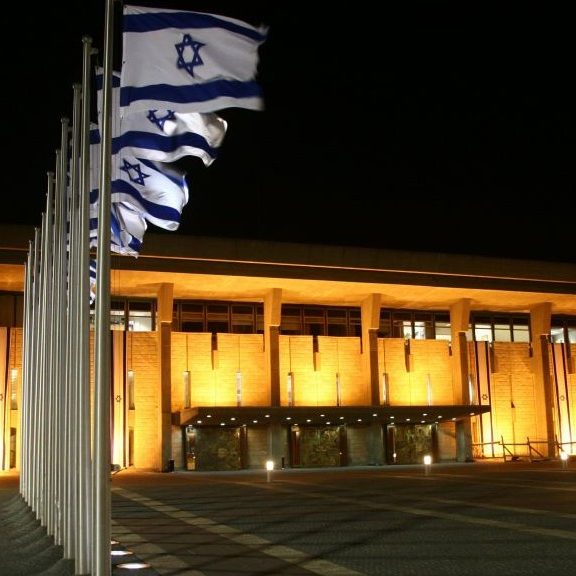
{"points": [[418, 372], [341, 380], [513, 396], [214, 372], [146, 366], [297, 357], [192, 352]]}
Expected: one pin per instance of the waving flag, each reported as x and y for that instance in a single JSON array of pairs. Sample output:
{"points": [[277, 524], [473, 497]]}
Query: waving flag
{"points": [[164, 135], [155, 190], [188, 61], [127, 225]]}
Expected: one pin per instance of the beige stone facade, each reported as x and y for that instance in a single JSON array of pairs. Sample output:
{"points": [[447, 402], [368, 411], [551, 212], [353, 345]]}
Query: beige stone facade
{"points": [[320, 401]]}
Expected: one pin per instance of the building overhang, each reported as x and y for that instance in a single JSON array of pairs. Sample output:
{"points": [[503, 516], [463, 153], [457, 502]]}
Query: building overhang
{"points": [[205, 416]]}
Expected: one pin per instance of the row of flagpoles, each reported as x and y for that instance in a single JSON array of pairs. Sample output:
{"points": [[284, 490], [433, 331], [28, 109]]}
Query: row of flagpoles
{"points": [[112, 178]]}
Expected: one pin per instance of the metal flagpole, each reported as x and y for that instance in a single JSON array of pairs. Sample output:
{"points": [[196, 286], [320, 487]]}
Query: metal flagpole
{"points": [[72, 320], [41, 370], [59, 358], [25, 416], [27, 422], [49, 493], [101, 472], [83, 420]]}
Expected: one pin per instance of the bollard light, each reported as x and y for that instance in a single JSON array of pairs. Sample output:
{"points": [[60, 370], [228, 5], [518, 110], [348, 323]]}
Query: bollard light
{"points": [[269, 468], [427, 463], [564, 459]]}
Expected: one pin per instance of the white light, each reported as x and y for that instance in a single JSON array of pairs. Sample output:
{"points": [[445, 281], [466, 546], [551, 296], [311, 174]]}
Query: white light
{"points": [[427, 460], [269, 468], [132, 566], [563, 455], [120, 552]]}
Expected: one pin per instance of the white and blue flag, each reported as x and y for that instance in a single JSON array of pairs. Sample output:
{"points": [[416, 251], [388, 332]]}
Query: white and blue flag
{"points": [[167, 136], [156, 190], [127, 227], [188, 61], [163, 135]]}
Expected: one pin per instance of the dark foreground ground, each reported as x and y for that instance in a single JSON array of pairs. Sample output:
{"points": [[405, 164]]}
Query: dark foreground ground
{"points": [[473, 519]]}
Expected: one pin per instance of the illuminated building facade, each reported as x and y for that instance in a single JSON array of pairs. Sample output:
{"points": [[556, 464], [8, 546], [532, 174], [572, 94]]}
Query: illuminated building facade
{"points": [[228, 353]]}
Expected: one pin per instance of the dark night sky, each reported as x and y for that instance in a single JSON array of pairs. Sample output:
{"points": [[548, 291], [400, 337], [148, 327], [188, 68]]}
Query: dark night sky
{"points": [[437, 126]]}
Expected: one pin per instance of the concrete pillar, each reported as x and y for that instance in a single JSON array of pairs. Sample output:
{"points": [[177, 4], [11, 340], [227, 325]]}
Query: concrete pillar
{"points": [[164, 329], [376, 444], [370, 310], [272, 316], [540, 325], [278, 445], [459, 323]]}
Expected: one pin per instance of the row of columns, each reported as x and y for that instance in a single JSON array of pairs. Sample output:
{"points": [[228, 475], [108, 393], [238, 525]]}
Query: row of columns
{"points": [[540, 323]]}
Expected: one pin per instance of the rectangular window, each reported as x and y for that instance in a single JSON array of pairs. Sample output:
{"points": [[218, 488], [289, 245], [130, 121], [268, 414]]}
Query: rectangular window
{"points": [[187, 389], [14, 389], [521, 329], [402, 325], [482, 332], [314, 321], [130, 386], [354, 323], [337, 322], [218, 318], [502, 329], [385, 329], [192, 317], [291, 321], [140, 316], [243, 319], [260, 319], [442, 327], [117, 315]]}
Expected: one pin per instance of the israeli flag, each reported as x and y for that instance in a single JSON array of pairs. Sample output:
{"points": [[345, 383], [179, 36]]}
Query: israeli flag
{"points": [[188, 61], [155, 190], [167, 136], [162, 135], [127, 226]]}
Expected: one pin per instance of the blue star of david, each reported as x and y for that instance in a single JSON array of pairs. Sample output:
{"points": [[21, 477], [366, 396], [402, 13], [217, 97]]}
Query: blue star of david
{"points": [[134, 172], [188, 44], [157, 121]]}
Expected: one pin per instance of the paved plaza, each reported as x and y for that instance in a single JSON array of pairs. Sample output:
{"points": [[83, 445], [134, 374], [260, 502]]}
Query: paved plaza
{"points": [[473, 519]]}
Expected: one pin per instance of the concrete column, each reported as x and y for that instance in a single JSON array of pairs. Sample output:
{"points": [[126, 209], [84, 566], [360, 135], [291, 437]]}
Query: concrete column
{"points": [[272, 316], [376, 445], [278, 445], [540, 325], [370, 310], [119, 396], [164, 329], [459, 323]]}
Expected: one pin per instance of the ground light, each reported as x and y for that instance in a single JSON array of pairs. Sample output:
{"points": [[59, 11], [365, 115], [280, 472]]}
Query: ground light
{"points": [[123, 565], [427, 463], [132, 566], [269, 468]]}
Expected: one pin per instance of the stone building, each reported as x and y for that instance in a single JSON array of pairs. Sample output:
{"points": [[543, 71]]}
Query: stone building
{"points": [[228, 353]]}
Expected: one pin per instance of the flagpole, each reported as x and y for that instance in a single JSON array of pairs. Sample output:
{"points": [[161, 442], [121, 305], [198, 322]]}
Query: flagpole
{"points": [[59, 359], [84, 471], [101, 473], [72, 321], [45, 492]]}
